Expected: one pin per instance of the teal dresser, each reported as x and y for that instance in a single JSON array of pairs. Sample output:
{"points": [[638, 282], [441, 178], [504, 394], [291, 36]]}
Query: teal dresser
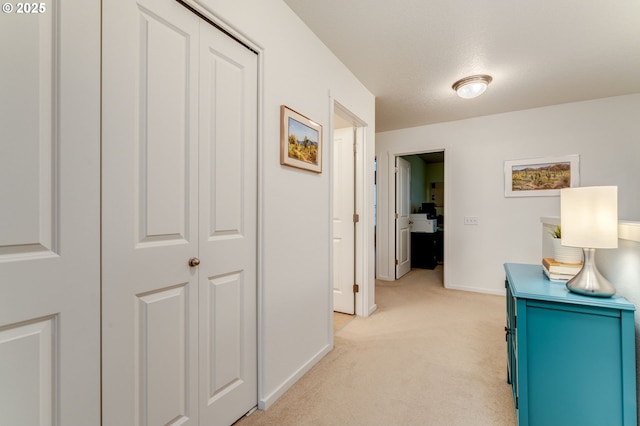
{"points": [[571, 358]]}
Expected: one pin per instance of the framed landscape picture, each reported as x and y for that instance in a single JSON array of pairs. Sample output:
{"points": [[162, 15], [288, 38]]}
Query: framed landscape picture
{"points": [[540, 177], [300, 141]]}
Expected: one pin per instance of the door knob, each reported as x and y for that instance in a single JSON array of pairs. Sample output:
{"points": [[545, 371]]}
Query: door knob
{"points": [[194, 261]]}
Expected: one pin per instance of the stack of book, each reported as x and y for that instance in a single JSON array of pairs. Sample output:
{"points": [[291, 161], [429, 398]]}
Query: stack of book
{"points": [[560, 272]]}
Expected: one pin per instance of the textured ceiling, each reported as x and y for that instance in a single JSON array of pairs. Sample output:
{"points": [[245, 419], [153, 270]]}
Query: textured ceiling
{"points": [[408, 53]]}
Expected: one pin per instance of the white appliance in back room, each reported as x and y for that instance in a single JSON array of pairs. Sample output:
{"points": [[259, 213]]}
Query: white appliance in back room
{"points": [[420, 223]]}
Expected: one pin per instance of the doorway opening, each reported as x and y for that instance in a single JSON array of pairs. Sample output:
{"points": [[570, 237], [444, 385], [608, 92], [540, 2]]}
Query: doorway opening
{"points": [[420, 211]]}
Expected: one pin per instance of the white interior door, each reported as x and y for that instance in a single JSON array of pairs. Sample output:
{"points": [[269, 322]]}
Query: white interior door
{"points": [[343, 225], [49, 215], [227, 228], [403, 214], [179, 184]]}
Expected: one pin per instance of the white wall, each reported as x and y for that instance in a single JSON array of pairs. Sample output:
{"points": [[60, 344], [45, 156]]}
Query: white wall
{"points": [[605, 133], [621, 266], [294, 284], [418, 187]]}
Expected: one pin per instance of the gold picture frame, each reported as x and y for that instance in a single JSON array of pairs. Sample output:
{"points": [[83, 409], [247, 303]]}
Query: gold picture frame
{"points": [[300, 141], [541, 177]]}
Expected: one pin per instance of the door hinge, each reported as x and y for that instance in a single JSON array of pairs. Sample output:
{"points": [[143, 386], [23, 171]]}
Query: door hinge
{"points": [[397, 169], [396, 215], [396, 261], [515, 321], [517, 398], [356, 288], [356, 218]]}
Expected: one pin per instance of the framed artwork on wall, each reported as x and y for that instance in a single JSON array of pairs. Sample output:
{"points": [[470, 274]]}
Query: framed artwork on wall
{"points": [[300, 141], [541, 177]]}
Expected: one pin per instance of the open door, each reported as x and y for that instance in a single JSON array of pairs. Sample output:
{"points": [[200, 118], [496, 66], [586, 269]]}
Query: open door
{"points": [[343, 220], [403, 210]]}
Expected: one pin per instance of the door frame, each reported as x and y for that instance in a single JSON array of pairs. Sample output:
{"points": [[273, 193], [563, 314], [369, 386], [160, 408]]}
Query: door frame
{"points": [[362, 278], [386, 195]]}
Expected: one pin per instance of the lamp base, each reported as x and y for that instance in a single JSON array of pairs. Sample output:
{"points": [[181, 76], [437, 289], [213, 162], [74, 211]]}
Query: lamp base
{"points": [[589, 281]]}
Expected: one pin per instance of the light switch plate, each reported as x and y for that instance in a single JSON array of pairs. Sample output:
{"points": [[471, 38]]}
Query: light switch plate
{"points": [[471, 220]]}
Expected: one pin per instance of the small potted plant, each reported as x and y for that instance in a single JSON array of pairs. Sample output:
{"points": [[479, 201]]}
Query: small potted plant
{"points": [[564, 254]]}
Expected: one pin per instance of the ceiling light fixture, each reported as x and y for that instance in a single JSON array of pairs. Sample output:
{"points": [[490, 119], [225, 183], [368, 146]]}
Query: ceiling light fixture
{"points": [[473, 86]]}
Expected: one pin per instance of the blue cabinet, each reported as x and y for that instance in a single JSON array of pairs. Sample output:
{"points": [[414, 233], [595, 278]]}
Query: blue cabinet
{"points": [[570, 358]]}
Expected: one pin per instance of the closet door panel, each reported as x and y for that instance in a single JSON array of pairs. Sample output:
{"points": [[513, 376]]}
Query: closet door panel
{"points": [[150, 213], [228, 227], [49, 213]]}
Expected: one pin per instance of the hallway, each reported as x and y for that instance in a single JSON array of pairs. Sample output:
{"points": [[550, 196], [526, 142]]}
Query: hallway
{"points": [[427, 356]]}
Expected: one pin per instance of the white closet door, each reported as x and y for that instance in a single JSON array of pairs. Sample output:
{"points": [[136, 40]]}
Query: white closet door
{"points": [[49, 214], [150, 213], [180, 183], [228, 226]]}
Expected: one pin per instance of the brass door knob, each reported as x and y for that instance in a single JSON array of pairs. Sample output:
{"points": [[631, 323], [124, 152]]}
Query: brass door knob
{"points": [[194, 261]]}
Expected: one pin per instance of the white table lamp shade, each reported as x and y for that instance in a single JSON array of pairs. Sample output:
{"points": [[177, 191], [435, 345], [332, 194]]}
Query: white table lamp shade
{"points": [[589, 216]]}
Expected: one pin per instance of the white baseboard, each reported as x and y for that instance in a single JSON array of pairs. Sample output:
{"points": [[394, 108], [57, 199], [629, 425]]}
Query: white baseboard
{"points": [[373, 308], [385, 277], [477, 290], [265, 402]]}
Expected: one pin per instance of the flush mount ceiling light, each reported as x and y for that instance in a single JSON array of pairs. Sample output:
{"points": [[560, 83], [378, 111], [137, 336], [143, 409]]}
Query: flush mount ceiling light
{"points": [[473, 86]]}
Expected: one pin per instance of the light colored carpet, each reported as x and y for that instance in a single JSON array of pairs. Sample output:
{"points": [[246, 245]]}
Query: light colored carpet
{"points": [[427, 356], [340, 320]]}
